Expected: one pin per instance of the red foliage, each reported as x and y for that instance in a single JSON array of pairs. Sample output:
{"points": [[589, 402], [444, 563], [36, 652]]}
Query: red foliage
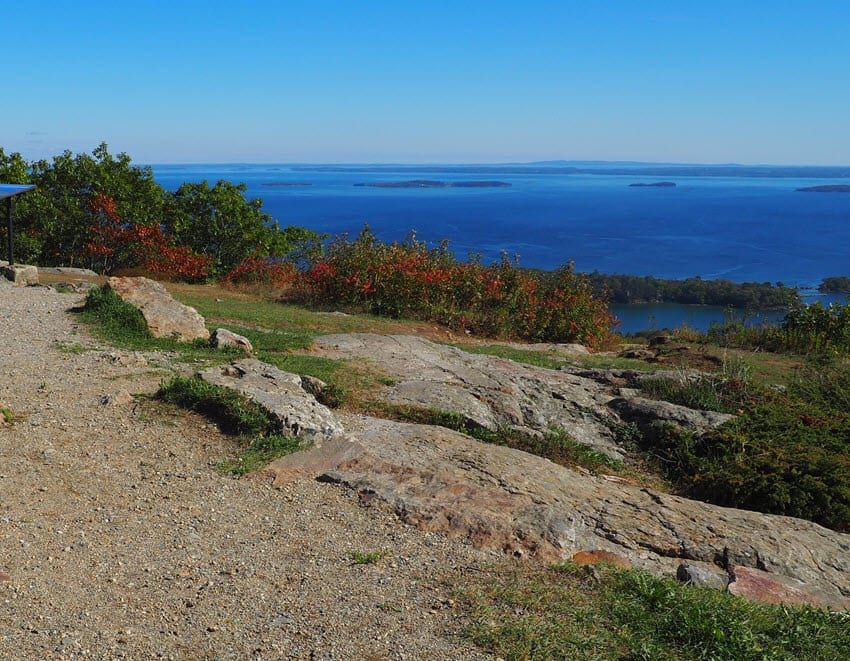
{"points": [[411, 280], [260, 270], [115, 244]]}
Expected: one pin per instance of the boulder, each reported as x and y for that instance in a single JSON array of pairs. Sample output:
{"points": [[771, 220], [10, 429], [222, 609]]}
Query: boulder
{"points": [[526, 506], [287, 397], [225, 339], [638, 354], [120, 398], [21, 275], [164, 316]]}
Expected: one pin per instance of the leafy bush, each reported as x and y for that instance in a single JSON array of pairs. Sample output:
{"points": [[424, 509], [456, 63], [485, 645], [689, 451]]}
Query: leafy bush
{"points": [[261, 271], [115, 317], [788, 454], [411, 280]]}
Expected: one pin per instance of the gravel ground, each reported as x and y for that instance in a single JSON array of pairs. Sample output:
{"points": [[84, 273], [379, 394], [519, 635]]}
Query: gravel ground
{"points": [[120, 540]]}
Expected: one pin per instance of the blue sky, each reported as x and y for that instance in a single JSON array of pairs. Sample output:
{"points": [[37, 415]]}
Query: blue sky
{"points": [[402, 81]]}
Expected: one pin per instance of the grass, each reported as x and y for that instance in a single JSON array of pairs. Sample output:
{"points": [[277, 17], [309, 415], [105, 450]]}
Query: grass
{"points": [[367, 557], [569, 612], [7, 415], [555, 445], [260, 451]]}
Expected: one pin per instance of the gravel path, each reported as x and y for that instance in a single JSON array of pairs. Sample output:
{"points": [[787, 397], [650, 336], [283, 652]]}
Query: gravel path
{"points": [[120, 540]]}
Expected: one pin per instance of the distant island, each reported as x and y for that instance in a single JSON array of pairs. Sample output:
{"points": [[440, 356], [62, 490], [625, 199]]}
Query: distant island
{"points": [[839, 284], [281, 184], [829, 188], [656, 184], [429, 183]]}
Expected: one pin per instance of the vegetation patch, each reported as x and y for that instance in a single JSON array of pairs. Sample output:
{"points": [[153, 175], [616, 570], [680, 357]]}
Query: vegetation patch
{"points": [[258, 432], [603, 613], [367, 557], [260, 451], [787, 453], [6, 414], [411, 280]]}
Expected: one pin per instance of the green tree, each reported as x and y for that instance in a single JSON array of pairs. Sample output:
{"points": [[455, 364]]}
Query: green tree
{"points": [[219, 222], [56, 219]]}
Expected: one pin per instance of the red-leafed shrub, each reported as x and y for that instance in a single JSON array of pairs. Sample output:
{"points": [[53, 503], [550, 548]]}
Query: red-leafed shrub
{"points": [[411, 280], [261, 271], [114, 244]]}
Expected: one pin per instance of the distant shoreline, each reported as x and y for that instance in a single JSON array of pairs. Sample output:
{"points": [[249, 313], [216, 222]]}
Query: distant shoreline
{"points": [[428, 183]]}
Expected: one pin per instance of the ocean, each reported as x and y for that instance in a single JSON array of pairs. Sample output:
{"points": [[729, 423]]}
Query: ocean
{"points": [[744, 228]]}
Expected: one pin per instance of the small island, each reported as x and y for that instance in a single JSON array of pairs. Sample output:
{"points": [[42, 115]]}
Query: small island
{"points": [[428, 183], [655, 184], [287, 184], [838, 284], [829, 188]]}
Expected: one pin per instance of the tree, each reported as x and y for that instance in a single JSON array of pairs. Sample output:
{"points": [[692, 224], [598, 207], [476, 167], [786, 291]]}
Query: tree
{"points": [[219, 222], [57, 217]]}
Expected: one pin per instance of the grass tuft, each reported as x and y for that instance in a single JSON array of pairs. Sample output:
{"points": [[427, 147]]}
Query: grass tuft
{"points": [[260, 452]]}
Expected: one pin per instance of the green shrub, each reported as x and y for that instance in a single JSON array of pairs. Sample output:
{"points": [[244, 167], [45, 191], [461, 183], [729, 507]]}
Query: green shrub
{"points": [[789, 453]]}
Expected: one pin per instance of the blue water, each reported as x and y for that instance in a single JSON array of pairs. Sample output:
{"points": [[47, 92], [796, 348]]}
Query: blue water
{"points": [[744, 229]]}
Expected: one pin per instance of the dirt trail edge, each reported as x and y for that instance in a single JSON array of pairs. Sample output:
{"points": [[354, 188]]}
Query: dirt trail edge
{"points": [[120, 540]]}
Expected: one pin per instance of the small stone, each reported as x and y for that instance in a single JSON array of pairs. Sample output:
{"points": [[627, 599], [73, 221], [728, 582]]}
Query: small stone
{"points": [[21, 275], [702, 575], [225, 339], [120, 398]]}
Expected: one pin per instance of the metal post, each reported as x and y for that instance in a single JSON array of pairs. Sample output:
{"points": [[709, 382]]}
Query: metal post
{"points": [[10, 208]]}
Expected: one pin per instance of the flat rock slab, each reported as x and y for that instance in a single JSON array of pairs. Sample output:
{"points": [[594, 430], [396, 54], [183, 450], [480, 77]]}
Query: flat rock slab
{"points": [[652, 411], [164, 316], [524, 505], [489, 392], [287, 397]]}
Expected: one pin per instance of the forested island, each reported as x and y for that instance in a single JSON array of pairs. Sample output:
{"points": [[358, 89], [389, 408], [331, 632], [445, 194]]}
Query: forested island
{"points": [[620, 288], [828, 188], [656, 184], [839, 284], [428, 183]]}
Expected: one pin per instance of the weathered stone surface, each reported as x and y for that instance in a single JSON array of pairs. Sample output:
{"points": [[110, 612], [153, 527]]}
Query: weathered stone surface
{"points": [[568, 350], [226, 339], [638, 354], [758, 585], [490, 392], [21, 275], [652, 411], [69, 271], [703, 574], [600, 558], [505, 499], [165, 317], [283, 395]]}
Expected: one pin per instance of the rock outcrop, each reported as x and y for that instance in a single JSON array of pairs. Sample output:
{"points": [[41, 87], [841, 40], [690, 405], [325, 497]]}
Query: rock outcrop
{"points": [[489, 392], [289, 398], [501, 498], [164, 316]]}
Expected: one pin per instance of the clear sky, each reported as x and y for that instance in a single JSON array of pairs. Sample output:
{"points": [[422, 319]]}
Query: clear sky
{"points": [[748, 81]]}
